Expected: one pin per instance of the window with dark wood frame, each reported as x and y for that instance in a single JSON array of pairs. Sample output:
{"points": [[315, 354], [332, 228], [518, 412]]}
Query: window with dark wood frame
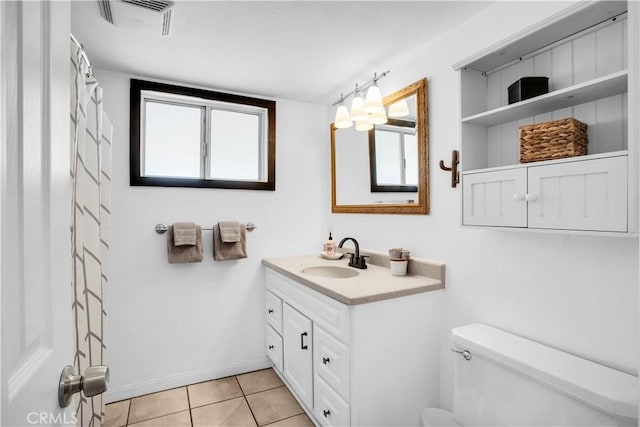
{"points": [[377, 187], [260, 113]]}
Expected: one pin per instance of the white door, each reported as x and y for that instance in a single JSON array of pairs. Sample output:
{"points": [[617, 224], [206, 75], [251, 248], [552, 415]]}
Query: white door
{"points": [[495, 198], [582, 195], [35, 211], [298, 359]]}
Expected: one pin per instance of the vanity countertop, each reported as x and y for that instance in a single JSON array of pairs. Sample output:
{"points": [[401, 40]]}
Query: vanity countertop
{"points": [[372, 284]]}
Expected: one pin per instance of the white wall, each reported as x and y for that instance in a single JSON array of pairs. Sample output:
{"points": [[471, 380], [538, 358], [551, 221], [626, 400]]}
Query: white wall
{"points": [[173, 324], [170, 325], [576, 293]]}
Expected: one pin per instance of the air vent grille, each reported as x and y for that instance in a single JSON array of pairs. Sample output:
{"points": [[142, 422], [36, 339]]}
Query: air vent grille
{"points": [[105, 10], [155, 5], [166, 23], [143, 16]]}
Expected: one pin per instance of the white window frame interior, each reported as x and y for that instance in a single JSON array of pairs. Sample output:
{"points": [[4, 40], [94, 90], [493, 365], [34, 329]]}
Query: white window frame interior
{"points": [[262, 114], [402, 131], [206, 106]]}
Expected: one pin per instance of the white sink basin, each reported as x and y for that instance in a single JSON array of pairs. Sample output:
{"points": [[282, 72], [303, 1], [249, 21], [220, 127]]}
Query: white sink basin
{"points": [[330, 271]]}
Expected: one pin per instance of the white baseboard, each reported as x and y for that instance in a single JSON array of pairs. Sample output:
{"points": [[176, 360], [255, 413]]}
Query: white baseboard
{"points": [[159, 384]]}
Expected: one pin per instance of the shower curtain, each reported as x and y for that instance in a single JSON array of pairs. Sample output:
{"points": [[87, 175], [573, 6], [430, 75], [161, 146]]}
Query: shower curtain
{"points": [[91, 172]]}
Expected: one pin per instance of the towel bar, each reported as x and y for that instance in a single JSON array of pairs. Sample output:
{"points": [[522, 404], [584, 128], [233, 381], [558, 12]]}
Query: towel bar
{"points": [[161, 228]]}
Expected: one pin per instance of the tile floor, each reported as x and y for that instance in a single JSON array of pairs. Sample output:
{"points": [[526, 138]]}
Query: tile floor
{"points": [[254, 399]]}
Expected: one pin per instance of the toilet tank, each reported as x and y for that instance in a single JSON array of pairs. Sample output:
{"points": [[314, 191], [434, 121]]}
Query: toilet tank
{"points": [[513, 381]]}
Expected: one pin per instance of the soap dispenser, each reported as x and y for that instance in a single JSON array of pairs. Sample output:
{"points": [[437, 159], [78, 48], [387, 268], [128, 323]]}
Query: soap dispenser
{"points": [[330, 246]]}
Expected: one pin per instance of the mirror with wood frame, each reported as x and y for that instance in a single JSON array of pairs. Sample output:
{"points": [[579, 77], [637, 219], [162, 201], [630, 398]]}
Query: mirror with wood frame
{"points": [[386, 169]]}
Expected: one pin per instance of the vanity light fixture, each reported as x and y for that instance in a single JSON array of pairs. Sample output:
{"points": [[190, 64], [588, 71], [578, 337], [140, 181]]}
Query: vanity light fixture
{"points": [[364, 125], [365, 112], [399, 109], [373, 101], [343, 120], [357, 113]]}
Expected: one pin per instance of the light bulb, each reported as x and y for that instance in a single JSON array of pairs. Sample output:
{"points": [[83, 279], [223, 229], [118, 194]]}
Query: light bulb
{"points": [[342, 119], [399, 109], [357, 114], [378, 118], [373, 101], [363, 125]]}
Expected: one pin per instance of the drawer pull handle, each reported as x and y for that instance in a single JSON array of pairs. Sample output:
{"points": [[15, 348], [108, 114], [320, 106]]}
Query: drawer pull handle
{"points": [[270, 347], [326, 413], [325, 360], [303, 346], [270, 311]]}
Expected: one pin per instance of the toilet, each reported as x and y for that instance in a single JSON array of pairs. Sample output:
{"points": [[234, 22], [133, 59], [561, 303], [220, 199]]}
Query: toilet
{"points": [[501, 379]]}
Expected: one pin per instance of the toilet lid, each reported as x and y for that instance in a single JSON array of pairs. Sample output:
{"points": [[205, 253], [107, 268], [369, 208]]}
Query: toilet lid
{"points": [[436, 417]]}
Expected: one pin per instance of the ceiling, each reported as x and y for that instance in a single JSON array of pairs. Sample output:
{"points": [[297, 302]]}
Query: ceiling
{"points": [[308, 51]]}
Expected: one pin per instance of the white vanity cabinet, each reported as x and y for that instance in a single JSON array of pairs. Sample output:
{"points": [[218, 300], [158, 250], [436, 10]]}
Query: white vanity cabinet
{"points": [[361, 365], [588, 195], [588, 56]]}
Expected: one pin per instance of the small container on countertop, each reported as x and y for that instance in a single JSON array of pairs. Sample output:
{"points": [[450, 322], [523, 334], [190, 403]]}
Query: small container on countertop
{"points": [[399, 267], [329, 246]]}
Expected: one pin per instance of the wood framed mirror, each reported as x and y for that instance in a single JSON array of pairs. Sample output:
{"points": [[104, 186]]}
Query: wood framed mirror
{"points": [[379, 171]]}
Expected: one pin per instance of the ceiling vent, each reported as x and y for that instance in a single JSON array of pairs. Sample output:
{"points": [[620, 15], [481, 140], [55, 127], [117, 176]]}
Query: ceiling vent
{"points": [[148, 16]]}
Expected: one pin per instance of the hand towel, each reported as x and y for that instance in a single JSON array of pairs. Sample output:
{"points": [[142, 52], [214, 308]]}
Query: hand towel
{"points": [[184, 234], [229, 231], [184, 254], [223, 251]]}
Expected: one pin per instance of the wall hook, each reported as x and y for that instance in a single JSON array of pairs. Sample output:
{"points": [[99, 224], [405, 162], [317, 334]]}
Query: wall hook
{"points": [[455, 175]]}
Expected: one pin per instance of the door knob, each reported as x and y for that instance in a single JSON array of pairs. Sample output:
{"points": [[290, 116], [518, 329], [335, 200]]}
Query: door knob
{"points": [[94, 381]]}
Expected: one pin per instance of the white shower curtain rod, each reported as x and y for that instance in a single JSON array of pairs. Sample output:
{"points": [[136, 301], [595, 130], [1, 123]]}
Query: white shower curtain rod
{"points": [[83, 53]]}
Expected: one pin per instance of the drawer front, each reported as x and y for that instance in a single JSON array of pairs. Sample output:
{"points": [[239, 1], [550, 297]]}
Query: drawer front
{"points": [[274, 348], [331, 315], [274, 312], [331, 361], [329, 408]]}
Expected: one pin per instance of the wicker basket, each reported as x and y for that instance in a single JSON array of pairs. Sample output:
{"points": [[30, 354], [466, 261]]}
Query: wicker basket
{"points": [[557, 139]]}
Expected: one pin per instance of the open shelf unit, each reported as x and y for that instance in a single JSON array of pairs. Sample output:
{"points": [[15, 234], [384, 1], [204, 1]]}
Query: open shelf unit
{"points": [[584, 51], [592, 90]]}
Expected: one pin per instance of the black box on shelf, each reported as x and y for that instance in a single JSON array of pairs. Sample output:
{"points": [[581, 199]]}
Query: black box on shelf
{"points": [[528, 87]]}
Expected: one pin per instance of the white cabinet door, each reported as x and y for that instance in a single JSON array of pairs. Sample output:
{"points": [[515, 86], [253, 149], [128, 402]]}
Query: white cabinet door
{"points": [[298, 359], [495, 198], [584, 195]]}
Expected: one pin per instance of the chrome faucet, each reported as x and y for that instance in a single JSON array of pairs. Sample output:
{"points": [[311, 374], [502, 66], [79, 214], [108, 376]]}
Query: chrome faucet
{"points": [[356, 260]]}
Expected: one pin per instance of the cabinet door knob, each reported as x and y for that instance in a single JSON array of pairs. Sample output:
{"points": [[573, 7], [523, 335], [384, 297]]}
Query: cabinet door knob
{"points": [[270, 347], [518, 197], [270, 311], [531, 197], [326, 413], [303, 346], [325, 360]]}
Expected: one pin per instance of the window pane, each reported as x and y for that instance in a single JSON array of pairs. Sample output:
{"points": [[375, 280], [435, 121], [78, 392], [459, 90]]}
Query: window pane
{"points": [[172, 140], [388, 162], [235, 146], [411, 159]]}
